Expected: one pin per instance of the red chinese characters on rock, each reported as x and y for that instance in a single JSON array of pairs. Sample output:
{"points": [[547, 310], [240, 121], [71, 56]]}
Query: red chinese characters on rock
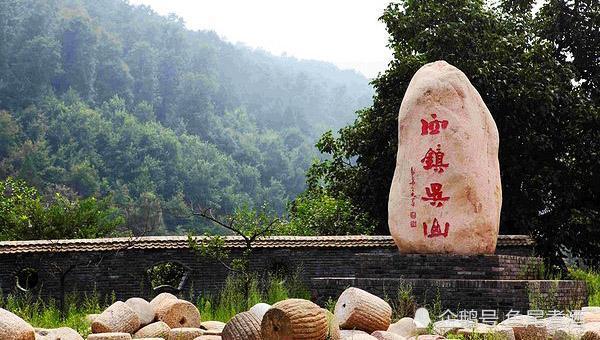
{"points": [[433, 127], [435, 195], [434, 159], [436, 229]]}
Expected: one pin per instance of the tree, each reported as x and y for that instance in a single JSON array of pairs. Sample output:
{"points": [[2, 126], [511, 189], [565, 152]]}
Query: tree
{"points": [[79, 43], [24, 215], [314, 214], [38, 63], [112, 73], [250, 225], [107, 98], [9, 131], [548, 123]]}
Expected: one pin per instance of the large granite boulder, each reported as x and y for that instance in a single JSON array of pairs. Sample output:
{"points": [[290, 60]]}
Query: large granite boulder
{"points": [[446, 194]]}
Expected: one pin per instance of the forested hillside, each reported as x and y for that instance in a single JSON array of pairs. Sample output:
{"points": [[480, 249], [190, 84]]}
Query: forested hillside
{"points": [[101, 98]]}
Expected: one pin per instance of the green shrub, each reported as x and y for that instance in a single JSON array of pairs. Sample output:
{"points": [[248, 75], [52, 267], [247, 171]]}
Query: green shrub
{"points": [[230, 300], [166, 273], [405, 304], [322, 214], [25, 215], [592, 279]]}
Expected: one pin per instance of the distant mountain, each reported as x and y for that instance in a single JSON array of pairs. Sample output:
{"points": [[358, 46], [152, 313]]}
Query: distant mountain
{"points": [[106, 98]]}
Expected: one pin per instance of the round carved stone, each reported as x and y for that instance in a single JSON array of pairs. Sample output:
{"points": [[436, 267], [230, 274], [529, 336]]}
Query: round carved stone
{"points": [[118, 317], [294, 319], [361, 310], [178, 313], [243, 326]]}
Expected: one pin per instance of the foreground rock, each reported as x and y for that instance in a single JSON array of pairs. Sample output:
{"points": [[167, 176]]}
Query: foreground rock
{"points": [[405, 327], [561, 327], [109, 336], [422, 319], [178, 314], [116, 318], [356, 335], [243, 326], [483, 331], [142, 308], [433, 337], [260, 309], [185, 333], [294, 319], [208, 337], [160, 298], [212, 325], [89, 318], [13, 327], [446, 194], [444, 327], [591, 335], [361, 310], [383, 335], [62, 333], [154, 330]]}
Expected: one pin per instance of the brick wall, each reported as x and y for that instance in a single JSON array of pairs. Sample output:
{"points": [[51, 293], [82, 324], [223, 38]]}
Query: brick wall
{"points": [[456, 295], [326, 270]]}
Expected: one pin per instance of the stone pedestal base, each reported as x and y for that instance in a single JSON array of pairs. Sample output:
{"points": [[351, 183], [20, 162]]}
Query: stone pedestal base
{"points": [[485, 282]]}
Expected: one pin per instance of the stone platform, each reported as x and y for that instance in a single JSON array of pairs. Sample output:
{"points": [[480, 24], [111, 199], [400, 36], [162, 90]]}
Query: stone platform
{"points": [[458, 282]]}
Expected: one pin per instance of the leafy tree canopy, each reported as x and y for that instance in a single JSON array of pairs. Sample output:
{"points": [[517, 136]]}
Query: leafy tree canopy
{"points": [[105, 98], [25, 214]]}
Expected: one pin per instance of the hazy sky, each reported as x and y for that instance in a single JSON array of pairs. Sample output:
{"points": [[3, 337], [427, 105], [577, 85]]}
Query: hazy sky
{"points": [[344, 32]]}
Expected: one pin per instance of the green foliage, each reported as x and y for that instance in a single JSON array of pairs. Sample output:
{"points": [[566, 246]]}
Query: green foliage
{"points": [[544, 102], [102, 98], [166, 273], [542, 300], [315, 213], [592, 279], [248, 224], [405, 303], [231, 300], [25, 215], [330, 304]]}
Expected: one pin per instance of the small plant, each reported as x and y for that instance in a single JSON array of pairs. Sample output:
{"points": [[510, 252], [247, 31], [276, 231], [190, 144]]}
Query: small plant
{"points": [[405, 304], [166, 273], [330, 304], [533, 269], [436, 307], [592, 280], [543, 300]]}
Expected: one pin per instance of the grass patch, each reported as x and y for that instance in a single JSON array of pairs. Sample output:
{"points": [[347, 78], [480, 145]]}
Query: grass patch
{"points": [[47, 314], [222, 307], [231, 301]]}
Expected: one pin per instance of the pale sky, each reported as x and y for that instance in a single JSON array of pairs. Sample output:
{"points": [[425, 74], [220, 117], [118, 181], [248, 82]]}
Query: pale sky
{"points": [[344, 32]]}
